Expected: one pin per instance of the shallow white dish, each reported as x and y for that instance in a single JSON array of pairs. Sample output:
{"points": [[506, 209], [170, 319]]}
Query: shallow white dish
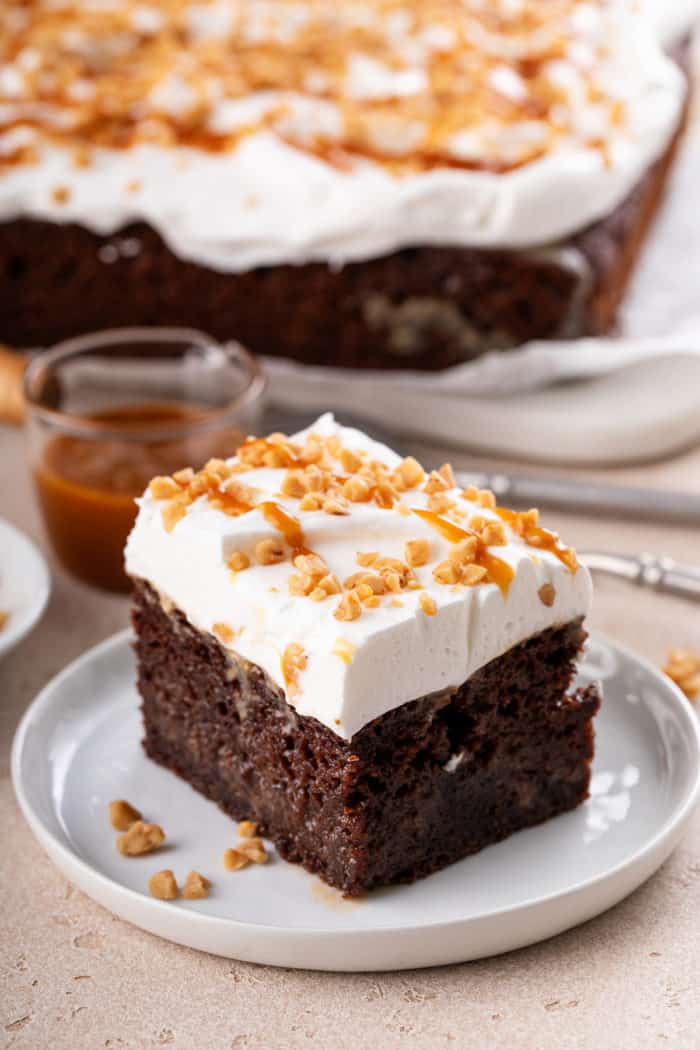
{"points": [[25, 585], [78, 747]]}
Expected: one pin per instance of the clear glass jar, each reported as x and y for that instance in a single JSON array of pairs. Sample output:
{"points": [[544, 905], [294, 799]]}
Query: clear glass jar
{"points": [[108, 411]]}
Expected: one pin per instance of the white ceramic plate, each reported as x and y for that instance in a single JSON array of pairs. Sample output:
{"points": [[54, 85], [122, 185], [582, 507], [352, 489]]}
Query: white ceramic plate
{"points": [[78, 747], [25, 585]]}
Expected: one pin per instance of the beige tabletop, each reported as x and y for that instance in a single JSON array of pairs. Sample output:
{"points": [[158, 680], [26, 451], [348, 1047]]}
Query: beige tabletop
{"points": [[75, 976]]}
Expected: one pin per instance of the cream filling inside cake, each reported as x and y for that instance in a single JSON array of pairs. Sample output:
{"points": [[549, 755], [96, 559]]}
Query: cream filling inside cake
{"points": [[433, 621], [298, 182]]}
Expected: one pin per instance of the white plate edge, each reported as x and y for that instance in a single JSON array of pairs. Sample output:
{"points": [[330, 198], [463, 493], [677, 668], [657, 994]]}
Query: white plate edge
{"points": [[11, 636], [619, 880]]}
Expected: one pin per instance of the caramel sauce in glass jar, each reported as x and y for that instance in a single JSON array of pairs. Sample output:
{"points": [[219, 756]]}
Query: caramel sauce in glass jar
{"points": [[108, 412], [87, 488]]}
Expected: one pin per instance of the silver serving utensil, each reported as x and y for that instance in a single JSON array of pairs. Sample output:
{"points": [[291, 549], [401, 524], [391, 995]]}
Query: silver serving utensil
{"points": [[590, 497], [646, 570]]}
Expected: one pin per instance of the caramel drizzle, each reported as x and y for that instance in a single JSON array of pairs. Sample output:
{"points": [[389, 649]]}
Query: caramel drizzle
{"points": [[230, 504], [287, 524], [542, 539], [497, 570], [458, 77]]}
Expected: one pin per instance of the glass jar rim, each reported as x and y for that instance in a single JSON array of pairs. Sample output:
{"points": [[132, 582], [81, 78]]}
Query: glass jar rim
{"points": [[81, 426]]}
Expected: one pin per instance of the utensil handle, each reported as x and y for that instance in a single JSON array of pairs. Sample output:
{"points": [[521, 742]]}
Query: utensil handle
{"points": [[586, 497], [667, 576]]}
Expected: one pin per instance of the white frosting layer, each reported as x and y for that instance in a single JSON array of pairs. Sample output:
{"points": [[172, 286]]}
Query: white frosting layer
{"points": [[266, 203], [399, 653]]}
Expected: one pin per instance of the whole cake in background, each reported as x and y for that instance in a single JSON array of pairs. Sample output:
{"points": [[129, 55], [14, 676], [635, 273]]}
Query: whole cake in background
{"points": [[371, 663], [370, 184]]}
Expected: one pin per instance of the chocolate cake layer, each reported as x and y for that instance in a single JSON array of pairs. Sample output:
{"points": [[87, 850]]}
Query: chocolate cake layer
{"points": [[424, 307], [413, 791], [420, 308]]}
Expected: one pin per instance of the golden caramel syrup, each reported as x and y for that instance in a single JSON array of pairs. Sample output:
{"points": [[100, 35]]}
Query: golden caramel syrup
{"points": [[287, 524], [273, 58], [497, 570], [542, 539], [230, 504], [87, 486]]}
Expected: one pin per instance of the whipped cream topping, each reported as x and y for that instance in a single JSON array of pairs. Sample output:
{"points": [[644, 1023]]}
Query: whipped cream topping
{"points": [[338, 665], [343, 166]]}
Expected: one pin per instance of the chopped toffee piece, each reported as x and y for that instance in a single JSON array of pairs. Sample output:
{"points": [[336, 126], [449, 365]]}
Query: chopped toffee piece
{"points": [[235, 859], [163, 885], [683, 667], [122, 815], [140, 838], [196, 887]]}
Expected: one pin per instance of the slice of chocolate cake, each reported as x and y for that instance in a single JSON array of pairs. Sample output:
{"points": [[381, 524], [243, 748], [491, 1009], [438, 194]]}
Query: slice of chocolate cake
{"points": [[368, 661]]}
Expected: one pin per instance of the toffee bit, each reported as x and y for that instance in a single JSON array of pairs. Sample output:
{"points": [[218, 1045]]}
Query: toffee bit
{"points": [[448, 474], [411, 472], [683, 667], [172, 513], [270, 552], [436, 483], [349, 607], [253, 849], [140, 838], [163, 885], [163, 488], [122, 814], [237, 561], [234, 860], [251, 54], [473, 575], [486, 498], [350, 461], [196, 887]]}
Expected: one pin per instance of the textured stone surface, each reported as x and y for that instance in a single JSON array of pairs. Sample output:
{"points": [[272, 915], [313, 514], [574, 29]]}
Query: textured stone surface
{"points": [[73, 976]]}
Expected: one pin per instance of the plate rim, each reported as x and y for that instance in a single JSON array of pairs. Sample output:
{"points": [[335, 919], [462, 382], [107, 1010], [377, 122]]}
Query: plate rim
{"points": [[12, 636], [667, 834]]}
